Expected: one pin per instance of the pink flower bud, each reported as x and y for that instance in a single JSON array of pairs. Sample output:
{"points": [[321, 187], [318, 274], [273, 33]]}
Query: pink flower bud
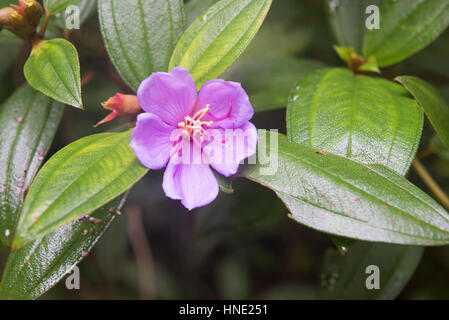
{"points": [[120, 104], [19, 8]]}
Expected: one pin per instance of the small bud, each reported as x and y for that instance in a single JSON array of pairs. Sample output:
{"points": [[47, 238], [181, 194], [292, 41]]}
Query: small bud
{"points": [[20, 27], [120, 104], [19, 8], [33, 12], [5, 16], [17, 21]]}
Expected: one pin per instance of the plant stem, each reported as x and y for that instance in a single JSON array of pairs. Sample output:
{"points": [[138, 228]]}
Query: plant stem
{"points": [[142, 251], [430, 182], [426, 152], [44, 24]]}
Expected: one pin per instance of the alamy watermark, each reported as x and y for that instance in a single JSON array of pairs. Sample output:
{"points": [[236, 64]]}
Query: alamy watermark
{"points": [[72, 18], [373, 20], [226, 147], [72, 282], [373, 280]]}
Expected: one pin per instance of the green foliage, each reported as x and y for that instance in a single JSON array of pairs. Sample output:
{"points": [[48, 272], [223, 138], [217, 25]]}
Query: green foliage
{"points": [[341, 169], [431, 102], [269, 87], [345, 277], [342, 197], [38, 266], [359, 117], [53, 68], [140, 35], [406, 27], [76, 181], [28, 123], [373, 110], [218, 37], [347, 20]]}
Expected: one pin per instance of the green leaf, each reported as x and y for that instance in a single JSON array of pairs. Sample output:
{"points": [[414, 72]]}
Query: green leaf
{"points": [[368, 119], [344, 278], [355, 62], [268, 84], [366, 102], [370, 65], [38, 266], [140, 35], [224, 183], [218, 37], [55, 6], [405, 28], [431, 102], [28, 123], [194, 8], [347, 20], [53, 68], [76, 181], [343, 197], [345, 53]]}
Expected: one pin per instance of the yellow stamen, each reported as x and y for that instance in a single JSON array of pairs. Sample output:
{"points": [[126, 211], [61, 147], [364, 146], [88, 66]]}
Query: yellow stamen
{"points": [[193, 126], [201, 113]]}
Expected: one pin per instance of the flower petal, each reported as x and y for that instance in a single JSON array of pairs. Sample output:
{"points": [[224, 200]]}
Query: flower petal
{"points": [[228, 147], [152, 140], [171, 96], [229, 104], [194, 184]]}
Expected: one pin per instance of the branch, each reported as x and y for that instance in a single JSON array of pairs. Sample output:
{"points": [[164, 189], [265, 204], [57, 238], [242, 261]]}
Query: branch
{"points": [[431, 183], [142, 252]]}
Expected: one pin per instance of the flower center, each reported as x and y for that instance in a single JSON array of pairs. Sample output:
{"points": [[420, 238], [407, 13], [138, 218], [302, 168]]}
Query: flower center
{"points": [[193, 127]]}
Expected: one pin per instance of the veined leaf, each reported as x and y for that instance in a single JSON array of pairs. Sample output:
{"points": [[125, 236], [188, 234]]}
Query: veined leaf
{"points": [[140, 35], [343, 197], [345, 277], [218, 37], [76, 181], [38, 266], [28, 123], [367, 119], [406, 26], [360, 105], [431, 102], [55, 6], [347, 19], [53, 68]]}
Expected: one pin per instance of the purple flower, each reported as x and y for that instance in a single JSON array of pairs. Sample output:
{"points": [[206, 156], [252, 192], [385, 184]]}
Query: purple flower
{"points": [[192, 131]]}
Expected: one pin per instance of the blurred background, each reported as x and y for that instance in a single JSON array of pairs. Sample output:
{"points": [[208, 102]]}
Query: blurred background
{"points": [[243, 246]]}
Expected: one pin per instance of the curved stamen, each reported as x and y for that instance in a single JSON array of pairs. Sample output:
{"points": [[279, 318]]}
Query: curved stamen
{"points": [[201, 113], [193, 127]]}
